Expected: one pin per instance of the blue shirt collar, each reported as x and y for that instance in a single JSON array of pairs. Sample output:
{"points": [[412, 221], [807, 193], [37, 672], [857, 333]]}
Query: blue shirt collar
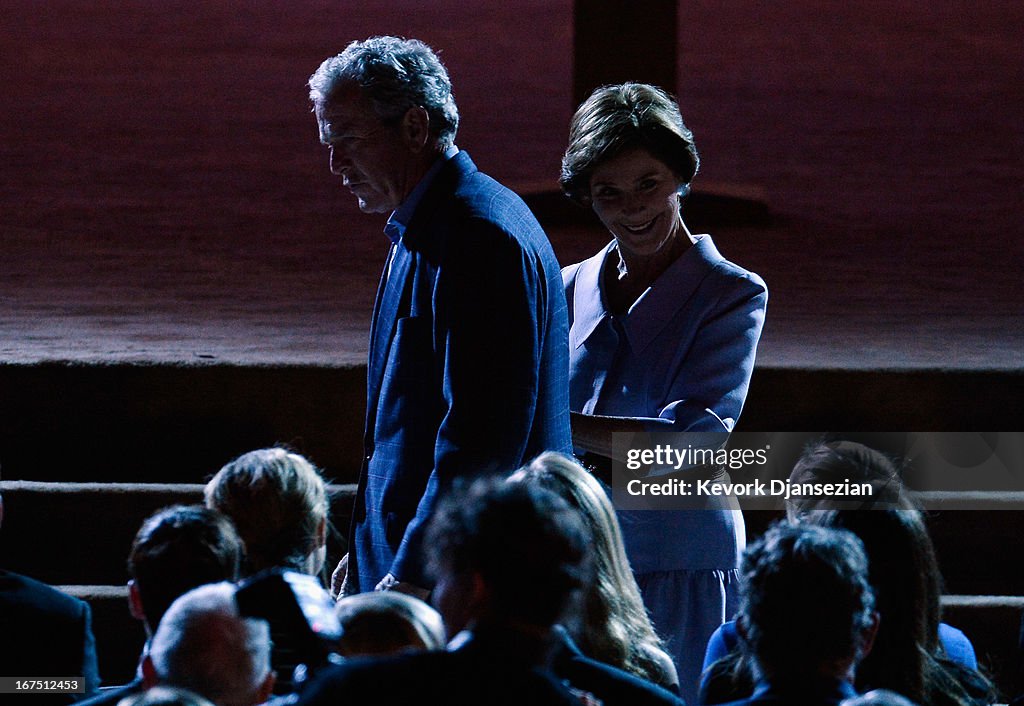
{"points": [[399, 219]]}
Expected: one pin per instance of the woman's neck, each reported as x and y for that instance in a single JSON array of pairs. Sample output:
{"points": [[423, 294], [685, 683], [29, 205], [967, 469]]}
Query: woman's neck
{"points": [[627, 275]]}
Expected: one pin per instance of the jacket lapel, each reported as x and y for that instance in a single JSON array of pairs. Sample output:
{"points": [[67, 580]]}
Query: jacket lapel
{"points": [[387, 310]]}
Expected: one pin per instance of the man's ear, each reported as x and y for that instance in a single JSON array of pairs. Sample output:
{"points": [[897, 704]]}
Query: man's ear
{"points": [[267, 687], [415, 128], [868, 635], [478, 596], [149, 675], [135, 601], [321, 533]]}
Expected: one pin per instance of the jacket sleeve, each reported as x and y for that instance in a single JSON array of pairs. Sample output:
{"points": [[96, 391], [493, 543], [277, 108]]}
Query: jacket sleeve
{"points": [[719, 362]]}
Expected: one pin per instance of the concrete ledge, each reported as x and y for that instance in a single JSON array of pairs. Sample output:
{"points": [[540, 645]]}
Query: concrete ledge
{"points": [[174, 423], [993, 625], [189, 492], [166, 423], [1008, 602], [972, 500], [91, 525], [96, 593], [81, 533], [162, 423]]}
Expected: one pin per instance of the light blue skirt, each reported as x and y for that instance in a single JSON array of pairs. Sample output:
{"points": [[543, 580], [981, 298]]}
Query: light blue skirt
{"points": [[685, 562]]}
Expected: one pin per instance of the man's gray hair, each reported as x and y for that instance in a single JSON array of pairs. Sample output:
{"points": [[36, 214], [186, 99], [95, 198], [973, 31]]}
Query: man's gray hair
{"points": [[395, 75], [203, 644]]}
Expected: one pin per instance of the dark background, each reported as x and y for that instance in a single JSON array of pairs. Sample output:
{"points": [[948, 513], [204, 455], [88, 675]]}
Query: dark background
{"points": [[182, 280], [164, 197]]}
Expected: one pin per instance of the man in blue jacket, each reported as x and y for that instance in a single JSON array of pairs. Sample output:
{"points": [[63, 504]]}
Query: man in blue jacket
{"points": [[467, 370]]}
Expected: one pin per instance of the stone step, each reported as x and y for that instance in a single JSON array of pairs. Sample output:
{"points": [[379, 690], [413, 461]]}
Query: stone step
{"points": [[993, 624], [180, 423], [81, 533], [90, 526], [78, 535], [973, 545], [174, 423]]}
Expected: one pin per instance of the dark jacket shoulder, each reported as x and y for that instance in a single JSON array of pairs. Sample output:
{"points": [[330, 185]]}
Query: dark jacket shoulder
{"points": [[613, 686], [457, 678], [46, 632]]}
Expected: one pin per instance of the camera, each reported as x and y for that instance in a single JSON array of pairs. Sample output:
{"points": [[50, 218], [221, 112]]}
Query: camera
{"points": [[303, 625]]}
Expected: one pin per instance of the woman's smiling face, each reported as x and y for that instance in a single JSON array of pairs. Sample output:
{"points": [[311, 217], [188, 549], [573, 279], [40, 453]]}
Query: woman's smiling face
{"points": [[636, 196]]}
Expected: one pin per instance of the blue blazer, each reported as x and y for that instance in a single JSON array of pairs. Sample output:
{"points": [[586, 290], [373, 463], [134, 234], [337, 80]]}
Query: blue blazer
{"points": [[479, 671], [468, 363]]}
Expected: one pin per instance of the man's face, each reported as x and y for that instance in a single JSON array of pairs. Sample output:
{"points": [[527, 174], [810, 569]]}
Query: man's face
{"points": [[453, 597], [372, 159]]}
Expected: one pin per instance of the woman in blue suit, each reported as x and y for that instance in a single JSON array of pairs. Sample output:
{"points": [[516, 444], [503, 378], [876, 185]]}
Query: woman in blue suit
{"points": [[663, 332]]}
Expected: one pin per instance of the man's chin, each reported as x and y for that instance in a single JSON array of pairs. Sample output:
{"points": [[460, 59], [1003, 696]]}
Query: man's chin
{"points": [[369, 207]]}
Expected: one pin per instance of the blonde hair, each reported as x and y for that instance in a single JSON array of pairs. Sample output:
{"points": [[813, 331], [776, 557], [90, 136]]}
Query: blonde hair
{"points": [[278, 502], [615, 627]]}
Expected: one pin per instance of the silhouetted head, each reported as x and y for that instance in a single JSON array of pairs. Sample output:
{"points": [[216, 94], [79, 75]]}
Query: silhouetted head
{"points": [[175, 550], [807, 607], [385, 111], [165, 696], [506, 553], [904, 574], [879, 697], [620, 118], [841, 461], [204, 645], [278, 502], [394, 74]]}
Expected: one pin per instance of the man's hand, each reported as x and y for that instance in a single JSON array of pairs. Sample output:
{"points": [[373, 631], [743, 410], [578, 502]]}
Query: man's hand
{"points": [[390, 583], [339, 579]]}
